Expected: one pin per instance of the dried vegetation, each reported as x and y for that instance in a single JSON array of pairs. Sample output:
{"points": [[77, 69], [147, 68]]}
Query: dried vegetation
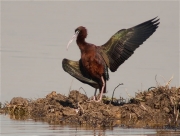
{"points": [[157, 107]]}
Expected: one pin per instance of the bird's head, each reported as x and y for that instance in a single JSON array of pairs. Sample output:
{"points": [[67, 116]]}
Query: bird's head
{"points": [[80, 33]]}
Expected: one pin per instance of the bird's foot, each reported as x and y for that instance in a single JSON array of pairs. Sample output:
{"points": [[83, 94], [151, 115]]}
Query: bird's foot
{"points": [[97, 100], [93, 99]]}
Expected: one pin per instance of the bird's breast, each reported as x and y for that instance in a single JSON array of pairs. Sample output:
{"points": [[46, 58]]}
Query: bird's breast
{"points": [[93, 64]]}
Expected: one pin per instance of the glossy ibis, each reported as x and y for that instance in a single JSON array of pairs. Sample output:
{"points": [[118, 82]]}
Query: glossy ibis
{"points": [[92, 68]]}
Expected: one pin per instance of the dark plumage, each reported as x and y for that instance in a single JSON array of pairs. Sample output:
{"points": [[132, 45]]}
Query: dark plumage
{"points": [[93, 66]]}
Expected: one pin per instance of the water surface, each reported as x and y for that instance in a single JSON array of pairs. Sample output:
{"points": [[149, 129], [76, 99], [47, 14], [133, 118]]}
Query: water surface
{"points": [[31, 128]]}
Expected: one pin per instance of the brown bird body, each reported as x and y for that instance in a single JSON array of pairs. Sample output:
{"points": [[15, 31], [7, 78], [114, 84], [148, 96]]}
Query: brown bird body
{"points": [[91, 60], [93, 66]]}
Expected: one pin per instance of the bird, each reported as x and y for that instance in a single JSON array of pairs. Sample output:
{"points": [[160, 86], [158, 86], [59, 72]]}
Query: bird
{"points": [[92, 67]]}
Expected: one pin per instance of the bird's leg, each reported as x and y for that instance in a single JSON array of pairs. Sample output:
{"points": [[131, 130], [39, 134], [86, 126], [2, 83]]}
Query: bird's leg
{"points": [[102, 89], [94, 97], [101, 93]]}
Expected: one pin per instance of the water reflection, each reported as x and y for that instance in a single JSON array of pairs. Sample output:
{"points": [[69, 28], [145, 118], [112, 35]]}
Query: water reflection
{"points": [[29, 127]]}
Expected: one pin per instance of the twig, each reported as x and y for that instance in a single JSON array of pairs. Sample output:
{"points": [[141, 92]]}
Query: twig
{"points": [[163, 78], [144, 107], [177, 115], [128, 94], [167, 84], [157, 81], [174, 110], [135, 113], [77, 99], [83, 90], [81, 107], [130, 117], [71, 85], [151, 88], [171, 100], [114, 91], [158, 84], [133, 97]]}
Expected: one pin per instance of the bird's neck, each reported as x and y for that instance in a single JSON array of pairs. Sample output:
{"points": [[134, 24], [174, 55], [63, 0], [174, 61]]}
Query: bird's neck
{"points": [[81, 43]]}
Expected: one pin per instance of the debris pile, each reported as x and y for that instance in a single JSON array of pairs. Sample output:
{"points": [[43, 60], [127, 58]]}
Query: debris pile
{"points": [[156, 107]]}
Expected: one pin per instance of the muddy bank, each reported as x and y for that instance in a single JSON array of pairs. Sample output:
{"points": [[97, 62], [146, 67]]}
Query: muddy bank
{"points": [[157, 107]]}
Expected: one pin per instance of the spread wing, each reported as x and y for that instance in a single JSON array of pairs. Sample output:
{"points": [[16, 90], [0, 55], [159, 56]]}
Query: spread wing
{"points": [[123, 43], [73, 68]]}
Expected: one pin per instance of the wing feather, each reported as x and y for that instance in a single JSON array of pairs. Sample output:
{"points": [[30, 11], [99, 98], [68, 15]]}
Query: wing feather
{"points": [[123, 43], [73, 68]]}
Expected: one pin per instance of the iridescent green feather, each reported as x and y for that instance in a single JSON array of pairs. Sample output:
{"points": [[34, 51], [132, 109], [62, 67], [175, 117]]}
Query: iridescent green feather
{"points": [[123, 43]]}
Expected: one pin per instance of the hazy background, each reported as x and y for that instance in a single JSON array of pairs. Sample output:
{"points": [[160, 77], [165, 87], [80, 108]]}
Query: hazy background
{"points": [[34, 36]]}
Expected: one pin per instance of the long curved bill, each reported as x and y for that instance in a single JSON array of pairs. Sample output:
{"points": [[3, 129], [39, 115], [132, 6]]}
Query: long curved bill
{"points": [[74, 36]]}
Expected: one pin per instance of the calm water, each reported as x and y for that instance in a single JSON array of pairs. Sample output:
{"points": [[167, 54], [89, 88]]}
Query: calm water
{"points": [[31, 128]]}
